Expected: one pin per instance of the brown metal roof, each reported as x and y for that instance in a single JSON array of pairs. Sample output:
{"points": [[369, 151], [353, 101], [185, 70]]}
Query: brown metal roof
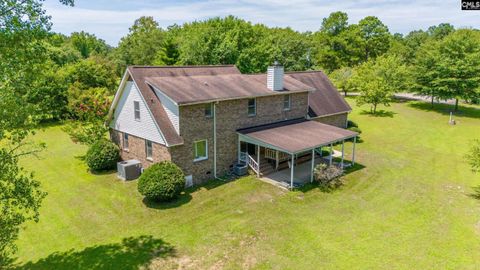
{"points": [[326, 100], [298, 135], [198, 89], [140, 73]]}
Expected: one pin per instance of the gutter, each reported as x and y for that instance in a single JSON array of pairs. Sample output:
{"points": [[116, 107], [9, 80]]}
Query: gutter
{"points": [[215, 140]]}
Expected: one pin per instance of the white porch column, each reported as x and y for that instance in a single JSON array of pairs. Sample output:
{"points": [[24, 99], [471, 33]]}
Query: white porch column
{"points": [[291, 171], [353, 153], [239, 150], [276, 159], [258, 161], [313, 165], [331, 154], [343, 153]]}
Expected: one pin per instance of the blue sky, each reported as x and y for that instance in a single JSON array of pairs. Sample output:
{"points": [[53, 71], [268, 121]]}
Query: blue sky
{"points": [[110, 19]]}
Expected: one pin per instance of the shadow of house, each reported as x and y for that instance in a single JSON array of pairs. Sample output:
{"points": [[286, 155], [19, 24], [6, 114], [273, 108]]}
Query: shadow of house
{"points": [[445, 109], [185, 197], [130, 253]]}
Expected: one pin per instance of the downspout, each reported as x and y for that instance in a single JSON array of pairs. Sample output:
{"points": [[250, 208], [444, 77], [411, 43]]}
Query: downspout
{"points": [[215, 140]]}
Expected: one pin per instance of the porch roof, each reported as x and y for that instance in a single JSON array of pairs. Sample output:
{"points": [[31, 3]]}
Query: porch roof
{"points": [[296, 136]]}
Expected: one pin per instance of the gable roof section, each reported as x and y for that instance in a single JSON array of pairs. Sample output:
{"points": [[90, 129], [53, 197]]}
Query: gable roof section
{"points": [[197, 89], [141, 73], [326, 100]]}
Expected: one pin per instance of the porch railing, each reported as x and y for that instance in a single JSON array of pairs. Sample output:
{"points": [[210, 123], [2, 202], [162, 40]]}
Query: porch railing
{"points": [[253, 164], [276, 155]]}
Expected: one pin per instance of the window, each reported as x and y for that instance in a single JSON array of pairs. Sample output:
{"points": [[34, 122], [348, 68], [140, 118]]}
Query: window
{"points": [[252, 107], [136, 108], [286, 102], [149, 149], [125, 141], [209, 110], [201, 150]]}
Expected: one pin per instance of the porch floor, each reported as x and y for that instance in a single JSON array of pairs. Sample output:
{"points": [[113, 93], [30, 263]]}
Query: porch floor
{"points": [[301, 174]]}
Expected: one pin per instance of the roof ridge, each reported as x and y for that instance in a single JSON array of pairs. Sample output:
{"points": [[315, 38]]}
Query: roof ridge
{"points": [[187, 66]]}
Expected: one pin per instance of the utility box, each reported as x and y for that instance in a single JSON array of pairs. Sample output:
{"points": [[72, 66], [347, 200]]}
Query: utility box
{"points": [[129, 169], [240, 169]]}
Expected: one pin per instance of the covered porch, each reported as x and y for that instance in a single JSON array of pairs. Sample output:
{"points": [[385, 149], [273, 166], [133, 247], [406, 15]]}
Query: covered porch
{"points": [[286, 153]]}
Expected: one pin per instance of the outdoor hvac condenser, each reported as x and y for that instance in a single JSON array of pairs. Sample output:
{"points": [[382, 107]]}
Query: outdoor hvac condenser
{"points": [[129, 169]]}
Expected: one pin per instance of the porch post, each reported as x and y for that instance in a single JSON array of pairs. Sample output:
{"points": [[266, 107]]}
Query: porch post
{"points": [[313, 165], [353, 153], [331, 154], [258, 161], [291, 171], [276, 160], [343, 153], [239, 150]]}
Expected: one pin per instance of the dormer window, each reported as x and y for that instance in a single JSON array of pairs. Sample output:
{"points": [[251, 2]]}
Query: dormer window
{"points": [[136, 108], [209, 110], [287, 99], [252, 107]]}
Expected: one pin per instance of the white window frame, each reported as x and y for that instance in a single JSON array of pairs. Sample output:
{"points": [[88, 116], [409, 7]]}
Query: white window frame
{"points": [[210, 106], [195, 151], [136, 109], [254, 107], [151, 150], [287, 100], [125, 141]]}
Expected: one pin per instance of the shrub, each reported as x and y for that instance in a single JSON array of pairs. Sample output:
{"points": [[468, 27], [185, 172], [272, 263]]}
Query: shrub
{"points": [[102, 155], [328, 176], [161, 182]]}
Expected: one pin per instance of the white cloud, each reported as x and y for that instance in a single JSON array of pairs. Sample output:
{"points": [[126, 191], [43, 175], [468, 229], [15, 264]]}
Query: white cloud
{"points": [[112, 19]]}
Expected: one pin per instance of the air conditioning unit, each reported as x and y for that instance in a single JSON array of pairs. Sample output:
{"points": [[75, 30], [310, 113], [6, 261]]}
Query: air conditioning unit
{"points": [[129, 169]]}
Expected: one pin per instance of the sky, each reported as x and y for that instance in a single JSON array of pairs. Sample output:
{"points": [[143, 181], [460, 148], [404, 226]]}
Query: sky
{"points": [[110, 19]]}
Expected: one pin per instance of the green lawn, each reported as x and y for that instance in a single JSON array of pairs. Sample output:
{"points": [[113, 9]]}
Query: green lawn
{"points": [[412, 206]]}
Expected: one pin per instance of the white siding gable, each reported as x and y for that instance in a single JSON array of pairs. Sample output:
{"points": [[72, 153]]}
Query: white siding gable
{"points": [[170, 108], [124, 116]]}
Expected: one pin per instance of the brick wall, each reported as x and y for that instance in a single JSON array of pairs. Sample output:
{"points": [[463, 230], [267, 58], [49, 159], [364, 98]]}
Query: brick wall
{"points": [[136, 149], [339, 120], [231, 115]]}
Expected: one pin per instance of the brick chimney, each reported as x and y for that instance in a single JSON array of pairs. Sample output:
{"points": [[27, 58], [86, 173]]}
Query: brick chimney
{"points": [[275, 77]]}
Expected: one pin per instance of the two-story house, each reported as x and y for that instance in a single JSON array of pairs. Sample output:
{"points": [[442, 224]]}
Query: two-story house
{"points": [[208, 118]]}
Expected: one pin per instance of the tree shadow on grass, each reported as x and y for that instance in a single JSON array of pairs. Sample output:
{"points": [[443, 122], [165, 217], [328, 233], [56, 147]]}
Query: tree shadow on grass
{"points": [[445, 109], [476, 193], [309, 186], [379, 113], [131, 253]]}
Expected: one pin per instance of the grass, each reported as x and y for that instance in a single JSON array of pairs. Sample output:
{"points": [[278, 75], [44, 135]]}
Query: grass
{"points": [[414, 205]]}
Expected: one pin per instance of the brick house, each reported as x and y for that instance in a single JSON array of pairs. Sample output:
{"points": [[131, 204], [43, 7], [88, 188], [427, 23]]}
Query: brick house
{"points": [[208, 118]]}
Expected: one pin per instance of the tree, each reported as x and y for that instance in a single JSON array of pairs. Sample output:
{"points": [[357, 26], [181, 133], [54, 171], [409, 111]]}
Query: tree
{"points": [[335, 23], [425, 72], [142, 43], [473, 156], [23, 27], [375, 37], [377, 80], [459, 65], [342, 79], [88, 44]]}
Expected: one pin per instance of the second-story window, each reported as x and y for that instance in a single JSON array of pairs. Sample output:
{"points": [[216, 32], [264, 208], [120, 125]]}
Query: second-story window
{"points": [[286, 102], [209, 110], [252, 107], [136, 108]]}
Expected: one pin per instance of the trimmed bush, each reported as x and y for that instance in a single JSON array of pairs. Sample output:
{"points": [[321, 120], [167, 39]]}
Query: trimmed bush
{"points": [[102, 155], [161, 182], [328, 176]]}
